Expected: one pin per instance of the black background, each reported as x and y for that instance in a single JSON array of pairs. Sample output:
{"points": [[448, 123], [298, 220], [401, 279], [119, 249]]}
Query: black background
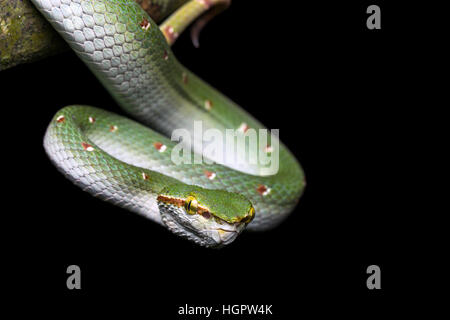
{"points": [[337, 92]]}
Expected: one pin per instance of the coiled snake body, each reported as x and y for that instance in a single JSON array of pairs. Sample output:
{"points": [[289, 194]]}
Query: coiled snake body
{"points": [[128, 164]]}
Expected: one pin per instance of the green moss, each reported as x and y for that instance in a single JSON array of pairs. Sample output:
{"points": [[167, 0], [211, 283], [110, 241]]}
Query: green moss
{"points": [[25, 36]]}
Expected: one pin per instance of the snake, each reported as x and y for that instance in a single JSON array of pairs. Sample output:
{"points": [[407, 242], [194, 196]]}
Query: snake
{"points": [[129, 163]]}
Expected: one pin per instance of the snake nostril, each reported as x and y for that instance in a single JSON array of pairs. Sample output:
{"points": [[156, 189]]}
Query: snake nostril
{"points": [[206, 215]]}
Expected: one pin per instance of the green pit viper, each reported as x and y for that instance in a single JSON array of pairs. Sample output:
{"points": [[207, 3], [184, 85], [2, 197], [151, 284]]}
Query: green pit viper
{"points": [[126, 163]]}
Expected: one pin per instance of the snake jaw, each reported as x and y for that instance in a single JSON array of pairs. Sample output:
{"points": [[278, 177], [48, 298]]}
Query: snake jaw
{"points": [[228, 236]]}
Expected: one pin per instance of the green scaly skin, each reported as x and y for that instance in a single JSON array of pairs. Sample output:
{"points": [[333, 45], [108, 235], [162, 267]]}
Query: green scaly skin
{"points": [[123, 162]]}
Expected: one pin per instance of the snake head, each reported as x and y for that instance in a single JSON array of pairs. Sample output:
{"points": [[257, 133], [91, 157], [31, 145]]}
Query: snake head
{"points": [[211, 218]]}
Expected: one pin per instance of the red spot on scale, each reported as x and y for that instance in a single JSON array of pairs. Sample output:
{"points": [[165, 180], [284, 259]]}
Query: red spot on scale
{"points": [[268, 149], [145, 24], [243, 127], [87, 146], [166, 55], [263, 190], [159, 146], [144, 176], [60, 119], [208, 105], [210, 175]]}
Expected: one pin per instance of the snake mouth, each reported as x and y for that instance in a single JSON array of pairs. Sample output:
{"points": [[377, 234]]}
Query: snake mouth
{"points": [[225, 230], [227, 236]]}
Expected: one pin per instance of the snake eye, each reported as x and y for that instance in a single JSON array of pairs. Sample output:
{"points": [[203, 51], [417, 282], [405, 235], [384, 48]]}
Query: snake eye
{"points": [[191, 205], [250, 216]]}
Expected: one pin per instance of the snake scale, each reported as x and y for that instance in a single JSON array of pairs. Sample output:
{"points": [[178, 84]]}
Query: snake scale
{"points": [[128, 164]]}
